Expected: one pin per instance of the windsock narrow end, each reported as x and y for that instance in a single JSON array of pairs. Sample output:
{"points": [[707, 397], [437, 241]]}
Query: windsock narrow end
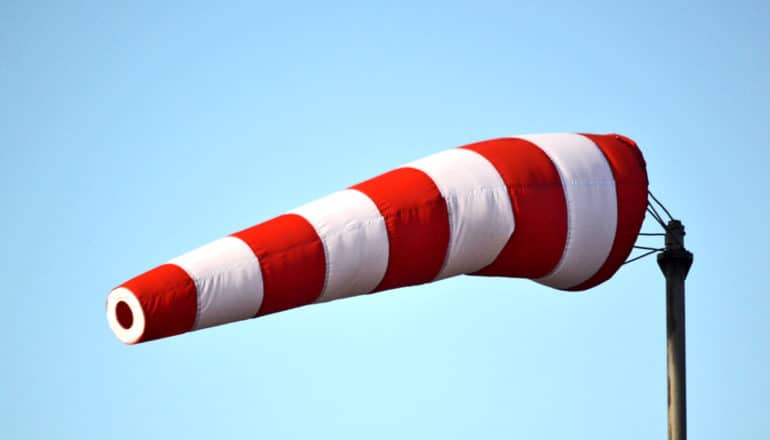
{"points": [[125, 315]]}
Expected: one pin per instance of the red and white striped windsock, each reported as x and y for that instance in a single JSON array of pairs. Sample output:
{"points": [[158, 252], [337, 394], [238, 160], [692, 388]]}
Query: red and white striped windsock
{"points": [[561, 209]]}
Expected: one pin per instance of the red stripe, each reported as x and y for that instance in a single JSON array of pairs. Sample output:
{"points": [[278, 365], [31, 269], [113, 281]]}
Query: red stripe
{"points": [[417, 222], [629, 170], [292, 260], [539, 208], [168, 298]]}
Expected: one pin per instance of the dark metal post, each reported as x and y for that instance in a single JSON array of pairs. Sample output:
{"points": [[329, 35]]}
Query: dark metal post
{"points": [[675, 262]]}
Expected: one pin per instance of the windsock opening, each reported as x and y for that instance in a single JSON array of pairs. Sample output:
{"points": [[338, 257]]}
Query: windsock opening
{"points": [[125, 315]]}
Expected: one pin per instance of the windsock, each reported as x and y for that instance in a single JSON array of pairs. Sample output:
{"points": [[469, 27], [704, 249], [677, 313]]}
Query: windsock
{"points": [[561, 209]]}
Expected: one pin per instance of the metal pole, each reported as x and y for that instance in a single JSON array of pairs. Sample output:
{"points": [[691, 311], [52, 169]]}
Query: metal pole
{"points": [[675, 262]]}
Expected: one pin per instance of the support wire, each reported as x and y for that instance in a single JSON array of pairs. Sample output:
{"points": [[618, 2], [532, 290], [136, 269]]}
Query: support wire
{"points": [[670, 217], [642, 256]]}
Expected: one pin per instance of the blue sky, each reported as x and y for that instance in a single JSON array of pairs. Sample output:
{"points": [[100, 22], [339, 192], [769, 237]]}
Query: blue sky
{"points": [[133, 132]]}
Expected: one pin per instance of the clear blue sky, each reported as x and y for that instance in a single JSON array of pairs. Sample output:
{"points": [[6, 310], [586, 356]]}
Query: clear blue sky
{"points": [[133, 132]]}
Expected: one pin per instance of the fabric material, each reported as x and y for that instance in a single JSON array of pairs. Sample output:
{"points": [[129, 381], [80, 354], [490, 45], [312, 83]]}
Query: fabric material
{"points": [[539, 207], [228, 280], [417, 223], [560, 209], [589, 189], [355, 242], [168, 299], [628, 169], [287, 241], [478, 205]]}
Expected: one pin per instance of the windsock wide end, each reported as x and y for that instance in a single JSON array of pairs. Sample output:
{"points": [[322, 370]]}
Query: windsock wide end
{"points": [[125, 315]]}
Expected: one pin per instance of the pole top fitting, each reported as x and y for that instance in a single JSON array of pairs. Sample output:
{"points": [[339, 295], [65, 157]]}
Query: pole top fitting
{"points": [[675, 259], [674, 235]]}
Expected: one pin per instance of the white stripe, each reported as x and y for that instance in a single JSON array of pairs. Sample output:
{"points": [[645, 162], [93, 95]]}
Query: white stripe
{"points": [[228, 280], [355, 241], [592, 211], [480, 215]]}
